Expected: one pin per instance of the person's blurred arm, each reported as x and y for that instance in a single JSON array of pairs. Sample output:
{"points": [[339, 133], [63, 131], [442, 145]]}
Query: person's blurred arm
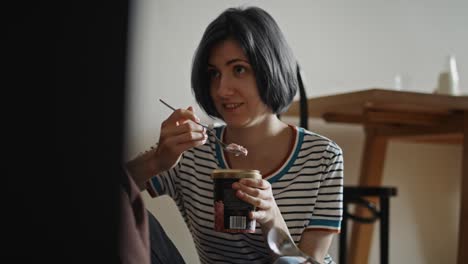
{"points": [[134, 245]]}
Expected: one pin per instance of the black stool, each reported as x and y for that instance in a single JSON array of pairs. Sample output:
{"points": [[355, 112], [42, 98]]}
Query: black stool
{"points": [[355, 195]]}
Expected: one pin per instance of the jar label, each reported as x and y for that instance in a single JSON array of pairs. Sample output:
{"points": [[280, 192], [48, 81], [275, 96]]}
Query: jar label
{"points": [[231, 213]]}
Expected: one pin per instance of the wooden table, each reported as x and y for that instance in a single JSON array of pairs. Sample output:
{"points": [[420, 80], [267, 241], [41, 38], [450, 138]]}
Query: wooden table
{"points": [[388, 114]]}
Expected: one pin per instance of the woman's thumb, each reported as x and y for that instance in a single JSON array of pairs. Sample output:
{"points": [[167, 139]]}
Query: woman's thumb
{"points": [[190, 108]]}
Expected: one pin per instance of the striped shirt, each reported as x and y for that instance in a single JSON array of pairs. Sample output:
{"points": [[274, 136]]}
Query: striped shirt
{"points": [[307, 187]]}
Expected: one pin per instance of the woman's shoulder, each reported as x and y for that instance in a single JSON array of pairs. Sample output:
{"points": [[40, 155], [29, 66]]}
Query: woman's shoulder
{"points": [[314, 139]]}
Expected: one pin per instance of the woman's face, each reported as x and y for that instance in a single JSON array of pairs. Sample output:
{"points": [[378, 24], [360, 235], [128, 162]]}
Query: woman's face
{"points": [[233, 87]]}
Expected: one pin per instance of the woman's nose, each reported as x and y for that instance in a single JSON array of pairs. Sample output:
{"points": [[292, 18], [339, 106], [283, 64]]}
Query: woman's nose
{"points": [[225, 86]]}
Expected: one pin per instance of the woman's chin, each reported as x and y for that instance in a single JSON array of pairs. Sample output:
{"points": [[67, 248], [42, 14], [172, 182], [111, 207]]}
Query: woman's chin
{"points": [[241, 124], [236, 123]]}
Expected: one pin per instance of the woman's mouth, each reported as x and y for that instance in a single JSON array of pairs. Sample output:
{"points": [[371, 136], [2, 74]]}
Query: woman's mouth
{"points": [[232, 106]]}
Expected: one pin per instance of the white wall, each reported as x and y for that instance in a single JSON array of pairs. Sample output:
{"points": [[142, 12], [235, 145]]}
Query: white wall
{"points": [[342, 46]]}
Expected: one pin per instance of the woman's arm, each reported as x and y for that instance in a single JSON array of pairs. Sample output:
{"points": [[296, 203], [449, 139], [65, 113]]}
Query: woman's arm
{"points": [[316, 239], [316, 243], [143, 167], [178, 134]]}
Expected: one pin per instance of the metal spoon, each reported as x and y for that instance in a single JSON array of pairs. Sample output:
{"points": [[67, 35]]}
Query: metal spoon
{"points": [[237, 150], [282, 244]]}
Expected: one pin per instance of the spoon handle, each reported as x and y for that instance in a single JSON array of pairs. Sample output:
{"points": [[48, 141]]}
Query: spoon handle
{"points": [[310, 260], [173, 109]]}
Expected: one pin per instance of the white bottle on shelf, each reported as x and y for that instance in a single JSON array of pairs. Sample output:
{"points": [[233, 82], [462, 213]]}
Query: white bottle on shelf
{"points": [[454, 80], [397, 83], [449, 81]]}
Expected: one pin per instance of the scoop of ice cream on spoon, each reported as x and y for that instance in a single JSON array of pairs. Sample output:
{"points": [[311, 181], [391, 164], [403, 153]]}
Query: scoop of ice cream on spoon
{"points": [[237, 149]]}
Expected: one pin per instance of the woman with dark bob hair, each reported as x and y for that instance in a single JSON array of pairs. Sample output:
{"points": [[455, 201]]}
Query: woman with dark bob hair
{"points": [[245, 73], [259, 37]]}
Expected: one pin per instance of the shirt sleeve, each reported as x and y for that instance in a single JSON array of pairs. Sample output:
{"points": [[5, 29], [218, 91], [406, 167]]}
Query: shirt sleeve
{"points": [[328, 210], [164, 183]]}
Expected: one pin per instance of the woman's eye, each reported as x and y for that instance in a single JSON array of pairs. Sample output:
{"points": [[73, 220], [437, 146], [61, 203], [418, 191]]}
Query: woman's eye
{"points": [[239, 69], [213, 74]]}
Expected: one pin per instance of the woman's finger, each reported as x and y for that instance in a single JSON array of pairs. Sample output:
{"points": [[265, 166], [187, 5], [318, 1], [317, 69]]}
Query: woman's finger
{"points": [[181, 115], [185, 132], [253, 200], [183, 138], [181, 147], [260, 214], [251, 191], [254, 187], [185, 127], [256, 183]]}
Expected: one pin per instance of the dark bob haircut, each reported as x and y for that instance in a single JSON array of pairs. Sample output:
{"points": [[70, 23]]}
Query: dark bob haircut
{"points": [[276, 70]]}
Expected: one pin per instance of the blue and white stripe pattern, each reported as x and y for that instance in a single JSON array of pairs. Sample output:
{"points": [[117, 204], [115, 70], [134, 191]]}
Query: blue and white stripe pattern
{"points": [[308, 189]]}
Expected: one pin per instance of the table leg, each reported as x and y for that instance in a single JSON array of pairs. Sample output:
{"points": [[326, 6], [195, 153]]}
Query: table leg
{"points": [[371, 175], [462, 256]]}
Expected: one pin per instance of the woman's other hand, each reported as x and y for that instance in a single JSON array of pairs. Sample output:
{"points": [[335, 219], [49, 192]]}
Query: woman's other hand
{"points": [[258, 193]]}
